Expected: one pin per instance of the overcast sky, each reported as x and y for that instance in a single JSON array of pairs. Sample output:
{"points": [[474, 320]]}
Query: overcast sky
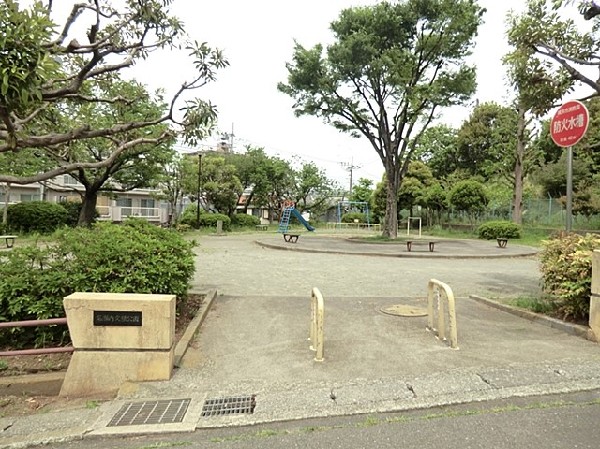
{"points": [[257, 38]]}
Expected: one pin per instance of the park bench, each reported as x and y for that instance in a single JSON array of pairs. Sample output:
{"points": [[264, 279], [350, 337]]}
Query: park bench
{"points": [[292, 238], [262, 227], [502, 242], [409, 244], [9, 239]]}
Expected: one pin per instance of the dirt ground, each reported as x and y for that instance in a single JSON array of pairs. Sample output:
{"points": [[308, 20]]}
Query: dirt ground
{"points": [[33, 364]]}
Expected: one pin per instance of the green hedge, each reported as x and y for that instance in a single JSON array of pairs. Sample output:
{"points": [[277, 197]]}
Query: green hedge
{"points": [[36, 216], [135, 257], [566, 266], [351, 216], [207, 220], [499, 230], [245, 220]]}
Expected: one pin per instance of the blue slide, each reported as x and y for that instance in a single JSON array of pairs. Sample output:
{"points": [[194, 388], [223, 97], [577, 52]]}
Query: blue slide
{"points": [[302, 220]]}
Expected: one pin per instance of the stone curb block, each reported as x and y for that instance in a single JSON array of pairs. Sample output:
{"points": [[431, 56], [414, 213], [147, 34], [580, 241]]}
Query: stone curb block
{"points": [[186, 338], [570, 328]]}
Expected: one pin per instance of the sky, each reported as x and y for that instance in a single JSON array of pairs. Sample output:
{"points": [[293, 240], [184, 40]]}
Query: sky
{"points": [[257, 37]]}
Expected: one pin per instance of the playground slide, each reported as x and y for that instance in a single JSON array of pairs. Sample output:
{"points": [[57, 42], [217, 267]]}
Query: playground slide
{"points": [[302, 220]]}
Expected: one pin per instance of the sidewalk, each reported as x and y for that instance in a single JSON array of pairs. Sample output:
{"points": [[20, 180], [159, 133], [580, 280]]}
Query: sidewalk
{"points": [[252, 346]]}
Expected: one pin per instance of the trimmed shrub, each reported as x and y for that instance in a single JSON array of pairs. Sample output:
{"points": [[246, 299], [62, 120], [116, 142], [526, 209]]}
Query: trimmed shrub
{"points": [[210, 221], [351, 216], [499, 230], [207, 220], [2, 228], [36, 216], [245, 220], [566, 266], [73, 209], [135, 257]]}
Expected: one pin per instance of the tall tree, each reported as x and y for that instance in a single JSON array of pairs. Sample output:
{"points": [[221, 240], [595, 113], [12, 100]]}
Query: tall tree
{"points": [[220, 184], [486, 140], [438, 149], [390, 69], [537, 85], [138, 166], [45, 69], [312, 189], [250, 169]]}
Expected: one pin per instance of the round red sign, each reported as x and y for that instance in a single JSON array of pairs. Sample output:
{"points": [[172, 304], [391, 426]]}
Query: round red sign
{"points": [[569, 124]]}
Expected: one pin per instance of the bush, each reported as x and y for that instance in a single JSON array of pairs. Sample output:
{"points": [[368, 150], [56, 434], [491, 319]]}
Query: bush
{"points": [[566, 266], [36, 216], [207, 220], [210, 221], [73, 209], [2, 228], [245, 220], [351, 216], [135, 257], [499, 230]]}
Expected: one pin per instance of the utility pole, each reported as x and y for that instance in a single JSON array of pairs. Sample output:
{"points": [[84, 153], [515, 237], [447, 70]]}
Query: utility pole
{"points": [[350, 167]]}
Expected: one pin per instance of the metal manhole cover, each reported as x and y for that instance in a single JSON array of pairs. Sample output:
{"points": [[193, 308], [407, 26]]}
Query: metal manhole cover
{"points": [[404, 310], [151, 412], [228, 406]]}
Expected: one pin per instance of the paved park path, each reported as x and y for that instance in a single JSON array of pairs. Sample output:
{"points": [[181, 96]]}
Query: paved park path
{"points": [[238, 265]]}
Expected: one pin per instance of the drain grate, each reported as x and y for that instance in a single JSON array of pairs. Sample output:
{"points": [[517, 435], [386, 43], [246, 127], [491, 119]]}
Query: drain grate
{"points": [[228, 406], [150, 412]]}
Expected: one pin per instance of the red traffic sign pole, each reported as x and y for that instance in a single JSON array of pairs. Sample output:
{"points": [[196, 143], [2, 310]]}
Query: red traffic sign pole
{"points": [[567, 128]]}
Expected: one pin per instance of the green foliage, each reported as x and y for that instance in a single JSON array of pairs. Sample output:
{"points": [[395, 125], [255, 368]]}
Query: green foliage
{"points": [[391, 65], [63, 89], [2, 228], [483, 140], [36, 216], [362, 191], [135, 257], [468, 196], [499, 230], [244, 220], [210, 221], [351, 216], [207, 220], [73, 209], [566, 266], [24, 65]]}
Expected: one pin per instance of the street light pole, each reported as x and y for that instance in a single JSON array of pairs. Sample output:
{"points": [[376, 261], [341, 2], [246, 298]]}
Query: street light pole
{"points": [[199, 193]]}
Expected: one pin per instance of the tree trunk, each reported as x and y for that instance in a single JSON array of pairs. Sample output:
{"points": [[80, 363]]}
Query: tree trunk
{"points": [[88, 208], [390, 221], [517, 203], [6, 201]]}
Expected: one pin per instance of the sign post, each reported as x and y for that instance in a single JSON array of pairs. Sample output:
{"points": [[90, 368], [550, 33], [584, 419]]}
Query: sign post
{"points": [[567, 128]]}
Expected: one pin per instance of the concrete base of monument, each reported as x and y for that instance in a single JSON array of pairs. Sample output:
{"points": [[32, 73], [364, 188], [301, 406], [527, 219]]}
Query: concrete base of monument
{"points": [[112, 369]]}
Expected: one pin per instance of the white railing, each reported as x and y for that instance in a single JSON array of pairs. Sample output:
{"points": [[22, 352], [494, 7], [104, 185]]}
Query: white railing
{"points": [[355, 226], [434, 288]]}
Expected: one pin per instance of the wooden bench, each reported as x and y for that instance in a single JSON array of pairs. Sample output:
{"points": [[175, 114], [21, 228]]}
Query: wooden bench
{"points": [[409, 244], [502, 242], [292, 238], [262, 227], [9, 239]]}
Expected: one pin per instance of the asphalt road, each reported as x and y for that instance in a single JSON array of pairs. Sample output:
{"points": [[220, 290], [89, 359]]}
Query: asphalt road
{"points": [[550, 422]]}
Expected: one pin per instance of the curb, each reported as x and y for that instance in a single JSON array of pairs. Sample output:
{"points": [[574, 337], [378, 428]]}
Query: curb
{"points": [[569, 328], [422, 255], [190, 332]]}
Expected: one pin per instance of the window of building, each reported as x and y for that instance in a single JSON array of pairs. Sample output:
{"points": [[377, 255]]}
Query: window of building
{"points": [[147, 207], [69, 180], [125, 205]]}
